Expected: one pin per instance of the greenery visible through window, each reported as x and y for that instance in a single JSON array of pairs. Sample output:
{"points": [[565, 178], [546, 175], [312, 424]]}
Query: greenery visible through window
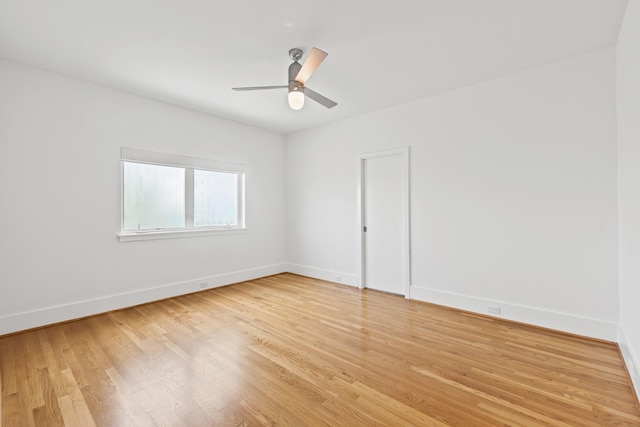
{"points": [[168, 192]]}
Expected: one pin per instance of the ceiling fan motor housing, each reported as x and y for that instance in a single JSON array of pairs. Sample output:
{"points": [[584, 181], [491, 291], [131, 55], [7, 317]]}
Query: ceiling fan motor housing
{"points": [[294, 85]]}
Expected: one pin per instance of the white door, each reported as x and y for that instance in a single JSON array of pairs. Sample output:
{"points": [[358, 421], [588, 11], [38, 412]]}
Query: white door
{"points": [[384, 219]]}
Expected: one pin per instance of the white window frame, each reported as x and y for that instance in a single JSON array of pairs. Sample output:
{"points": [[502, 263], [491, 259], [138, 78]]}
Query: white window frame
{"points": [[189, 163]]}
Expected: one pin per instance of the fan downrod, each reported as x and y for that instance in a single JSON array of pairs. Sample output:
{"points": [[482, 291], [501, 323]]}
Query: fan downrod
{"points": [[295, 54]]}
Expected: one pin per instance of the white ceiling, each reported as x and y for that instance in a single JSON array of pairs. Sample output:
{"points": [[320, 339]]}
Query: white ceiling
{"points": [[381, 52]]}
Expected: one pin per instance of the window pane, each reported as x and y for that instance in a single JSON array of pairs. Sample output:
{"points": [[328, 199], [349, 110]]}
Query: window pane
{"points": [[153, 196], [215, 198]]}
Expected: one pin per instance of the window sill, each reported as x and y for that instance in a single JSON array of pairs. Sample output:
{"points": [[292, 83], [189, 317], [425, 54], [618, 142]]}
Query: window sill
{"points": [[177, 234]]}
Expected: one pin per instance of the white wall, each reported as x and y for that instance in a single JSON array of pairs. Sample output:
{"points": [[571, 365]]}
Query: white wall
{"points": [[60, 190], [513, 188], [628, 81]]}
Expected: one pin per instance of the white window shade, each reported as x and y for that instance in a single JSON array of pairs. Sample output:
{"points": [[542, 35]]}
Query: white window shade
{"points": [[143, 156]]}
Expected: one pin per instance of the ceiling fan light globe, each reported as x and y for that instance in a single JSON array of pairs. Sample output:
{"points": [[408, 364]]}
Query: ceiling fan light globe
{"points": [[296, 99]]}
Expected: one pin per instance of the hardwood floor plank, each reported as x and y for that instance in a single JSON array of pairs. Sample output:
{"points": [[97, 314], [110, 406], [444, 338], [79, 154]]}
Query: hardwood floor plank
{"points": [[291, 351], [73, 396]]}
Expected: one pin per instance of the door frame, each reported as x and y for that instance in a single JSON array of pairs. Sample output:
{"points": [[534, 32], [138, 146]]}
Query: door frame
{"points": [[406, 231]]}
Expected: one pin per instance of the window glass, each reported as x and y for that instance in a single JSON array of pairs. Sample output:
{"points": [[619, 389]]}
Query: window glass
{"points": [[153, 196], [215, 198]]}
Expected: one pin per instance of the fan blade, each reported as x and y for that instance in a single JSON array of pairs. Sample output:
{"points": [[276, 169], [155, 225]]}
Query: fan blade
{"points": [[316, 56], [259, 87], [319, 98]]}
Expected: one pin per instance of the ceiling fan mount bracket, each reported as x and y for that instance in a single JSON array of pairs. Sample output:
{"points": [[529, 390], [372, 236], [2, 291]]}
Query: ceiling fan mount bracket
{"points": [[295, 54]]}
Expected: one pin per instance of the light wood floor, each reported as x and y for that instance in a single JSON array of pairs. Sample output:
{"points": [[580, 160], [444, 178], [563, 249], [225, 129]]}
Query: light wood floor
{"points": [[288, 350]]}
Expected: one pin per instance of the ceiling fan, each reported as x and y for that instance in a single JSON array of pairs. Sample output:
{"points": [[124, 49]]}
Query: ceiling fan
{"points": [[298, 76]]}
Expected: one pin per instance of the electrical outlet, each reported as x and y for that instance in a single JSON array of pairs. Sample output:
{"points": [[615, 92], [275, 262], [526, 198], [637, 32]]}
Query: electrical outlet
{"points": [[494, 310], [204, 285], [338, 278]]}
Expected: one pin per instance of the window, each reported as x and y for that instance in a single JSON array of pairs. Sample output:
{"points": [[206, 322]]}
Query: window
{"points": [[169, 196]]}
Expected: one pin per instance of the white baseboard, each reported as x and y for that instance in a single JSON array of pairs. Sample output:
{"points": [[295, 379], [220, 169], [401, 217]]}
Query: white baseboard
{"points": [[559, 321], [322, 274], [588, 327], [594, 328], [61, 313], [630, 359]]}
